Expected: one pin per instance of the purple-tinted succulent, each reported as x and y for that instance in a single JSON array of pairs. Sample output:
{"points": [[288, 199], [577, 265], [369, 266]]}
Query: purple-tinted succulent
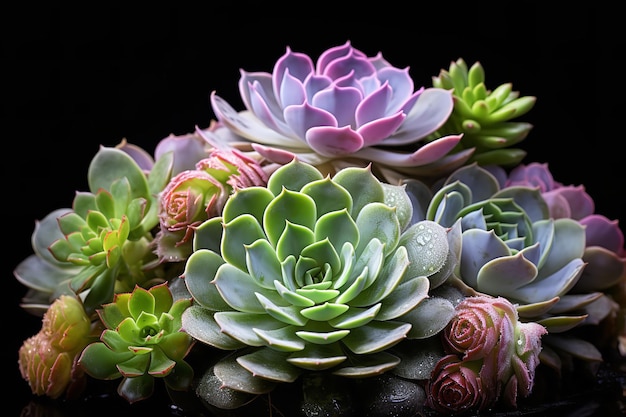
{"points": [[564, 201], [187, 149], [508, 245], [144, 160], [604, 240], [341, 110], [570, 201]]}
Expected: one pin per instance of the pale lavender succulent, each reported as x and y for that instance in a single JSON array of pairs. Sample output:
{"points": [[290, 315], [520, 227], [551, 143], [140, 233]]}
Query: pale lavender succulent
{"points": [[188, 149], [345, 109]]}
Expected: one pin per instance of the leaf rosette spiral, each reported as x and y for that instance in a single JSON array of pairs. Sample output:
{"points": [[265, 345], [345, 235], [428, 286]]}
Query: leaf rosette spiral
{"points": [[142, 341], [313, 273], [346, 108], [485, 117], [103, 244], [508, 245]]}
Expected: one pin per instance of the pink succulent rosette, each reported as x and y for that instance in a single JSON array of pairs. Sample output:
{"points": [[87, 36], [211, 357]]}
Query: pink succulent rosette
{"points": [[193, 196], [486, 336], [481, 324], [189, 198], [455, 387]]}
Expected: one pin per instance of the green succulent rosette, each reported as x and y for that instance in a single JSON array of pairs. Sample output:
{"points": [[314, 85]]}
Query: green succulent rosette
{"points": [[313, 274], [484, 116], [103, 245], [508, 245], [142, 341]]}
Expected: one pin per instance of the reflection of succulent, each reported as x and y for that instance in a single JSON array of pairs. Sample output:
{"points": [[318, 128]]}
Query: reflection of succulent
{"points": [[142, 341], [509, 246], [484, 116], [347, 108], [103, 244], [47, 360], [313, 273]]}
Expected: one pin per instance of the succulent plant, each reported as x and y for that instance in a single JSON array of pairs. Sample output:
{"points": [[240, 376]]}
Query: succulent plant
{"points": [[47, 360], [604, 240], [604, 255], [142, 341], [194, 195], [345, 109], [456, 387], [187, 150], [484, 116], [491, 357], [509, 246], [103, 244], [312, 273]]}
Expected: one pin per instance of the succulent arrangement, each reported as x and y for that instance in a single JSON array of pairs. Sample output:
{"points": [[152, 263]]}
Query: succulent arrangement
{"points": [[346, 233]]}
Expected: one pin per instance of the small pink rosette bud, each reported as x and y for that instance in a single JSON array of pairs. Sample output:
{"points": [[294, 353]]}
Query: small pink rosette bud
{"points": [[189, 199], [455, 386], [195, 195], [481, 323]]}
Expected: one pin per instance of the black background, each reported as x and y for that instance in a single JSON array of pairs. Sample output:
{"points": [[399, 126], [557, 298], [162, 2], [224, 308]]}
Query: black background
{"points": [[75, 79]]}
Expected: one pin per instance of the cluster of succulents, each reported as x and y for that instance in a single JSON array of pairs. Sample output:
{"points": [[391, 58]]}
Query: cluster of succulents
{"points": [[490, 357], [346, 226], [510, 246], [102, 244]]}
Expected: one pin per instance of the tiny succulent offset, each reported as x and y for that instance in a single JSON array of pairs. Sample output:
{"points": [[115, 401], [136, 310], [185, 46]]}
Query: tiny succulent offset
{"points": [[347, 232]]}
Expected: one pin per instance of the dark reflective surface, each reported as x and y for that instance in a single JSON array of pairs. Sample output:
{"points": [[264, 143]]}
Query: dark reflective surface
{"points": [[581, 394]]}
